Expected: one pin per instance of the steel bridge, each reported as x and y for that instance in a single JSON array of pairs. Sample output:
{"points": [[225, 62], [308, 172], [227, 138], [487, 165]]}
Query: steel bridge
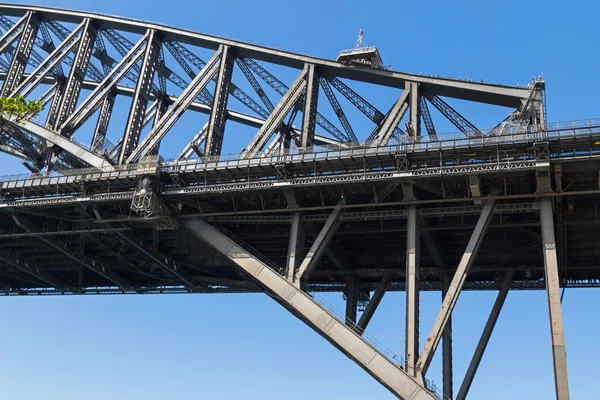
{"points": [[313, 203]]}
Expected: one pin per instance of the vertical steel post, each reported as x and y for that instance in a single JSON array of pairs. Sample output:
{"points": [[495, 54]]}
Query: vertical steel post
{"points": [[447, 347], [412, 291], [161, 109], [309, 116], [553, 291], [218, 115], [415, 110], [103, 121], [295, 246], [351, 303]]}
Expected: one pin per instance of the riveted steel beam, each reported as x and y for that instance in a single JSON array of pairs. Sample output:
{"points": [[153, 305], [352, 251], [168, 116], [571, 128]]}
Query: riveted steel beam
{"points": [[383, 134], [103, 89], [454, 116], [54, 59], [218, 115], [295, 246], [109, 275], [320, 244], [367, 315], [41, 275], [141, 96], [312, 313], [309, 112], [414, 122], [485, 337], [413, 278], [559, 354], [103, 120], [179, 106], [21, 54], [456, 286], [277, 116], [67, 145], [77, 73]]}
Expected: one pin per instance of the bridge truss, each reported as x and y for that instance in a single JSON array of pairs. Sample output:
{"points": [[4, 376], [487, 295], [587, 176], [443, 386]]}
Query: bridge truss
{"points": [[307, 206]]}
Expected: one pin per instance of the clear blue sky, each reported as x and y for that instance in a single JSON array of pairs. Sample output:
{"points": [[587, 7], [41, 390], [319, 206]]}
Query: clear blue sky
{"points": [[246, 346]]}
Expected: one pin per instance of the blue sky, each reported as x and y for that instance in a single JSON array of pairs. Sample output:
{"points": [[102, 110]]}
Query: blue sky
{"points": [[247, 346]]}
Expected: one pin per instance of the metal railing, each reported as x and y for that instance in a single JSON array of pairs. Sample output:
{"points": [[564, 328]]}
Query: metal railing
{"points": [[558, 130], [445, 141]]}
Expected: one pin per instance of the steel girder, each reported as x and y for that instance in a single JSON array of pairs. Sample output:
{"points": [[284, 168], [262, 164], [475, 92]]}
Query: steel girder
{"points": [[29, 30], [141, 96], [63, 118], [218, 115]]}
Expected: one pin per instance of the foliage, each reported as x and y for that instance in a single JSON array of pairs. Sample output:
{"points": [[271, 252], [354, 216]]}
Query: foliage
{"points": [[18, 108]]}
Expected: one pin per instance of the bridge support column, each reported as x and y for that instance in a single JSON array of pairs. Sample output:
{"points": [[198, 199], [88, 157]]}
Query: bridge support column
{"points": [[351, 303], [295, 247], [553, 291], [485, 337], [447, 370], [313, 314], [456, 285], [412, 291]]}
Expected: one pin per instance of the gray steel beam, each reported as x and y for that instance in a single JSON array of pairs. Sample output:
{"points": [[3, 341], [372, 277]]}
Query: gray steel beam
{"points": [[172, 270], [12, 33], [367, 315], [162, 106], [391, 121], [12, 151], [428, 120], [456, 286], [415, 111], [276, 118], [139, 102], [413, 277], [218, 116], [50, 62], [454, 116], [312, 313], [338, 109], [67, 145], [351, 303], [552, 279], [194, 145], [320, 244], [485, 337], [507, 96], [309, 113], [41, 275], [255, 85], [103, 121], [282, 89], [295, 246], [109, 275], [447, 365], [76, 76], [104, 88], [21, 54], [167, 121]]}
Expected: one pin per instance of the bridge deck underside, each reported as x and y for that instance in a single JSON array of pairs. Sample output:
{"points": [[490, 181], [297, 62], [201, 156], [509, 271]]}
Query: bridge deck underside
{"points": [[371, 239]]}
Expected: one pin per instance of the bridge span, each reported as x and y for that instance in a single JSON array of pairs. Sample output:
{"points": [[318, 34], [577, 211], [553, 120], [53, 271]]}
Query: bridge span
{"points": [[308, 205]]}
